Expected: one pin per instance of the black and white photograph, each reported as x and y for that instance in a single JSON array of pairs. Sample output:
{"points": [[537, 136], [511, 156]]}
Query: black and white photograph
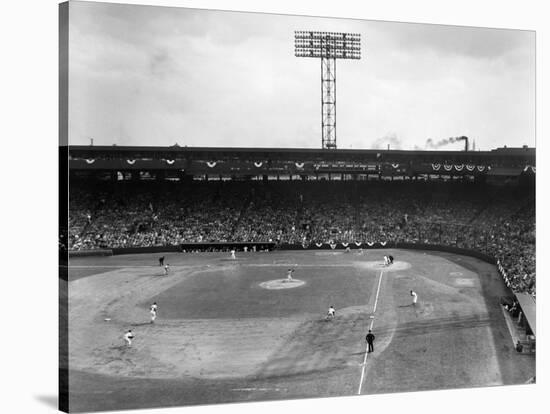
{"points": [[227, 240], [254, 206]]}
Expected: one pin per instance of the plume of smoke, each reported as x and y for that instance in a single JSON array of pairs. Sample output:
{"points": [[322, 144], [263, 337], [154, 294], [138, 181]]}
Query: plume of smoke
{"points": [[430, 143], [392, 139]]}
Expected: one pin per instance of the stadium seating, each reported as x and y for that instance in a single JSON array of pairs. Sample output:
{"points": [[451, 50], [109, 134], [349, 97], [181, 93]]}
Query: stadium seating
{"points": [[497, 221]]}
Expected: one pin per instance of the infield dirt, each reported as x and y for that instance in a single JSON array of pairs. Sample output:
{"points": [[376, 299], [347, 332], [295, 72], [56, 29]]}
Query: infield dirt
{"points": [[221, 337]]}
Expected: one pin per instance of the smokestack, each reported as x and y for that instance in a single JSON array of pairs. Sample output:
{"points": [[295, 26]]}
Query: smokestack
{"points": [[462, 138]]}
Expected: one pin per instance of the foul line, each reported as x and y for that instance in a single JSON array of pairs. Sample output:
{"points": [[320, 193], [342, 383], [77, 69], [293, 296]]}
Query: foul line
{"points": [[371, 325]]}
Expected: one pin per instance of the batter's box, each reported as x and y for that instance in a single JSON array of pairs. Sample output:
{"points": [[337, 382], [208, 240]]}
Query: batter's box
{"points": [[464, 282]]}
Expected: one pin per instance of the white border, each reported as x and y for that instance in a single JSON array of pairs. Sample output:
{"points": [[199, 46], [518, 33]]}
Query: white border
{"points": [[29, 206]]}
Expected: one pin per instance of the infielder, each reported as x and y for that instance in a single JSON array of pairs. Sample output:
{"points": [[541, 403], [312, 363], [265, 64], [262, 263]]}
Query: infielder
{"points": [[128, 336], [153, 311], [166, 268], [233, 254], [331, 312], [415, 297]]}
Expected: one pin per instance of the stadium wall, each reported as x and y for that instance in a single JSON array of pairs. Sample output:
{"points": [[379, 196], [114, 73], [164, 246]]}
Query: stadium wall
{"points": [[91, 252], [286, 246]]}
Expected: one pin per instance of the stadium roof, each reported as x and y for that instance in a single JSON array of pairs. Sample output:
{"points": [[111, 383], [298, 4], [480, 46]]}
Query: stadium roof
{"points": [[509, 157]]}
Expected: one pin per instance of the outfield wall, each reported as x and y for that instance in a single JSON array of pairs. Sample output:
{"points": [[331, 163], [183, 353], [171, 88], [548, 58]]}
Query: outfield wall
{"points": [[189, 247], [91, 252]]}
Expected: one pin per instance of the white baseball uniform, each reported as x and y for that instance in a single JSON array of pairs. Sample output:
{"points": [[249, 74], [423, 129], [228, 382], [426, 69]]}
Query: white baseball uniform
{"points": [[128, 338], [153, 312]]}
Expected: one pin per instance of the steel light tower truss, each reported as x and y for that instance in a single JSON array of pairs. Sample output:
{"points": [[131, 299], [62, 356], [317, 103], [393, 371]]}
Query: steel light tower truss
{"points": [[327, 46]]}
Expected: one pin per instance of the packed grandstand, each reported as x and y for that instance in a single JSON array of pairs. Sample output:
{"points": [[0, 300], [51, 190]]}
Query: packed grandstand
{"points": [[496, 220]]}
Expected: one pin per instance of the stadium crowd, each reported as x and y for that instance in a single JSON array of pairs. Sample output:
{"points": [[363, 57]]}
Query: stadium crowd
{"points": [[497, 221]]}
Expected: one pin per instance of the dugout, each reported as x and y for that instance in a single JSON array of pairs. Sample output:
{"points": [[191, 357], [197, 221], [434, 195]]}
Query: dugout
{"points": [[528, 315]]}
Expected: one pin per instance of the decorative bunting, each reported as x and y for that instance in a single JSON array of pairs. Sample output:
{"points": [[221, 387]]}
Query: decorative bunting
{"points": [[345, 244], [534, 169], [170, 162], [459, 167], [358, 244], [383, 243], [470, 167], [258, 164], [318, 244], [333, 246], [370, 244], [211, 164], [90, 161], [481, 168], [131, 162], [436, 167], [395, 166], [299, 164], [447, 167]]}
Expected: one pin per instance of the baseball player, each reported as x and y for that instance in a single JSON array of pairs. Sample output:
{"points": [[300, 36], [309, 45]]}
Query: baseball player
{"points": [[289, 275], [166, 268], [386, 260], [331, 312], [153, 311], [233, 254], [161, 261], [128, 336], [415, 297]]}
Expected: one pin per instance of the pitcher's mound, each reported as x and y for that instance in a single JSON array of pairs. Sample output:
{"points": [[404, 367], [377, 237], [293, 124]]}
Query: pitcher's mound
{"points": [[282, 284]]}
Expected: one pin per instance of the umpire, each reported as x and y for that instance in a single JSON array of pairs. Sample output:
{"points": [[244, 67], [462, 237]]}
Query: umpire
{"points": [[370, 340]]}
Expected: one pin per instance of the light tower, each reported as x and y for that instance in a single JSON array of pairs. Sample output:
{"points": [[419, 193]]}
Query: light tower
{"points": [[328, 46]]}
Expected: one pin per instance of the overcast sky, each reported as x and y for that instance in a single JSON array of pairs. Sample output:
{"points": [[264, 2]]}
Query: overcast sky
{"points": [[143, 75]]}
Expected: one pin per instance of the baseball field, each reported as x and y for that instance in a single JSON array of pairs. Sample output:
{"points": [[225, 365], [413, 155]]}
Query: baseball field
{"points": [[234, 330]]}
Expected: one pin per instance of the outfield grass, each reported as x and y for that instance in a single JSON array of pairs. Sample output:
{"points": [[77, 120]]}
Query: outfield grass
{"points": [[221, 337]]}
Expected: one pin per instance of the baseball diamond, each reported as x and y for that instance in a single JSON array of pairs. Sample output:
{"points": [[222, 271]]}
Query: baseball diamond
{"points": [[219, 329], [222, 238]]}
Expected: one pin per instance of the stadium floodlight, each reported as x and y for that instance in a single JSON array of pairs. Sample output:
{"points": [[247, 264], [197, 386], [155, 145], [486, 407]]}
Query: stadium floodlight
{"points": [[327, 46]]}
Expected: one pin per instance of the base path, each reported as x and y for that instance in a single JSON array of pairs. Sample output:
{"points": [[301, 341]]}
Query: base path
{"points": [[373, 316]]}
